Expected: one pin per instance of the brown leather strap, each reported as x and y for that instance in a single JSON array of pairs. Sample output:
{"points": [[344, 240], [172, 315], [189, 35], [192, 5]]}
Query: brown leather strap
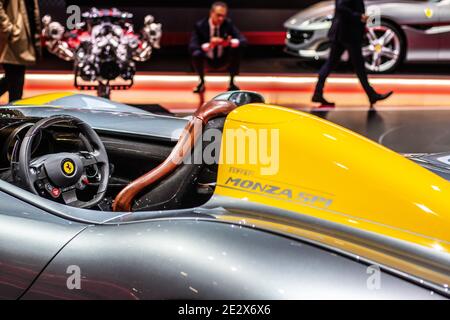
{"points": [[187, 141]]}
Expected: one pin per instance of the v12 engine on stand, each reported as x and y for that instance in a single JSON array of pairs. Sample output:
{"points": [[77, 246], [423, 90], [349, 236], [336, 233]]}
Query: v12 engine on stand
{"points": [[104, 47]]}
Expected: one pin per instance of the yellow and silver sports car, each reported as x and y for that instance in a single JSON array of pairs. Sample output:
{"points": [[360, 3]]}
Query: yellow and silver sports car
{"points": [[243, 200]]}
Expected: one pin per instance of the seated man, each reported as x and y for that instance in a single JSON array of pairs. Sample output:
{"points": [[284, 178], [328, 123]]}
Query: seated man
{"points": [[216, 44]]}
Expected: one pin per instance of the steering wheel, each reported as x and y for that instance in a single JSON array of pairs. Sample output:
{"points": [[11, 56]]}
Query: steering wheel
{"points": [[59, 175]]}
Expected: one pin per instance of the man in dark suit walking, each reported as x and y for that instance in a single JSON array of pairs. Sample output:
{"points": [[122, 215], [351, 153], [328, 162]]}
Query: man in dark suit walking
{"points": [[347, 33], [216, 43]]}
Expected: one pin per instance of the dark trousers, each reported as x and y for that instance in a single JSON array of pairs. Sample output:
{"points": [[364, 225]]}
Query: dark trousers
{"points": [[13, 81], [355, 54], [229, 61]]}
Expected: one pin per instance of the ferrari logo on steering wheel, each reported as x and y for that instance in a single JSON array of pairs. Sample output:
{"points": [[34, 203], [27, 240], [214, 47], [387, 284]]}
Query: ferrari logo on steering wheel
{"points": [[68, 167]]}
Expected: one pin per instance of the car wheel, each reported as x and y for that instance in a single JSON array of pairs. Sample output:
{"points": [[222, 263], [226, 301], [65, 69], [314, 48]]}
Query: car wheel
{"points": [[383, 48]]}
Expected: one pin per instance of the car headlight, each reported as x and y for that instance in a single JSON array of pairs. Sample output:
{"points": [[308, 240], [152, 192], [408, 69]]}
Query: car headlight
{"points": [[315, 20]]}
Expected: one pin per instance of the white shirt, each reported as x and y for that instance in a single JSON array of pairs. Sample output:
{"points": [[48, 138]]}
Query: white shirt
{"points": [[206, 47]]}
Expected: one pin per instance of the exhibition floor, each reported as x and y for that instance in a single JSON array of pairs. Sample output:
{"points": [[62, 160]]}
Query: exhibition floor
{"points": [[174, 90]]}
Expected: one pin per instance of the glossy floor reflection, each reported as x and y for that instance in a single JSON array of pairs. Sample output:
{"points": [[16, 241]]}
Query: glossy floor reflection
{"points": [[174, 91], [403, 130]]}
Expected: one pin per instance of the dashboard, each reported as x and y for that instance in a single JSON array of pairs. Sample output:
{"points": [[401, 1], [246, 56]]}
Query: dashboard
{"points": [[11, 136], [145, 153]]}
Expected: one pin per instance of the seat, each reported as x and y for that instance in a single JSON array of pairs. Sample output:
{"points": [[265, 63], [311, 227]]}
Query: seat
{"points": [[179, 189], [172, 193], [166, 186]]}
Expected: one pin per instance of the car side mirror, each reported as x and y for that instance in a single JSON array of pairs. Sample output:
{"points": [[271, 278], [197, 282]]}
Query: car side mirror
{"points": [[241, 98]]}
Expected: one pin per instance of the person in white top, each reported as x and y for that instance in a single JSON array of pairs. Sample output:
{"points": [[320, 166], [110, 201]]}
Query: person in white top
{"points": [[216, 44]]}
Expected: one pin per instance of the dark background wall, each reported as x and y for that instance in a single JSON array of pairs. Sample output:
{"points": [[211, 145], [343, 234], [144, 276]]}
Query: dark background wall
{"points": [[263, 19], [290, 4]]}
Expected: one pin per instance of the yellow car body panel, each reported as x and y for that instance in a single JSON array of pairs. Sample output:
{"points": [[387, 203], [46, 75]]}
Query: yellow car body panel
{"points": [[328, 172], [42, 100]]}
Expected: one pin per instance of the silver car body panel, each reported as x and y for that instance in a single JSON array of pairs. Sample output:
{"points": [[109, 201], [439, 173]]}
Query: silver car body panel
{"points": [[29, 239], [88, 102], [439, 163], [204, 259], [444, 30], [115, 122], [260, 214], [426, 25], [179, 254]]}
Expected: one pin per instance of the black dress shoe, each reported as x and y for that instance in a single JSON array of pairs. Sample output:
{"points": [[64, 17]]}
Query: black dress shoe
{"points": [[323, 102], [378, 97], [233, 87], [200, 88]]}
